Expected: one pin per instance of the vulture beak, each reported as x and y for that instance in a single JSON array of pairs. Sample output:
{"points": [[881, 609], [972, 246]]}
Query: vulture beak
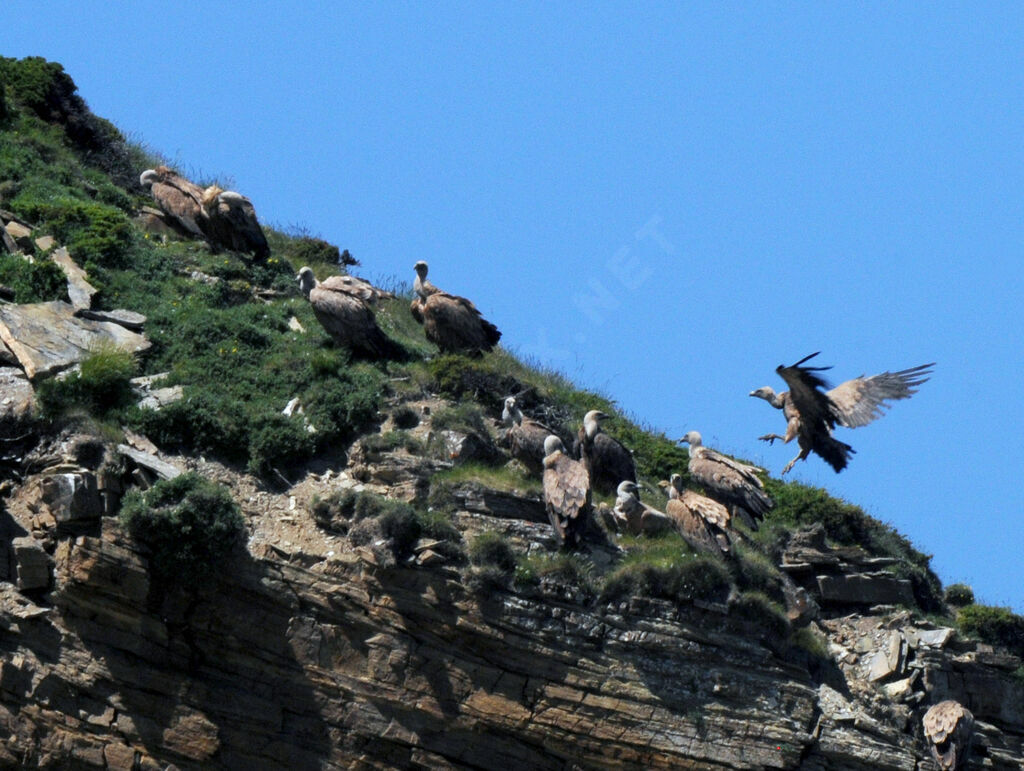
{"points": [[752, 393]]}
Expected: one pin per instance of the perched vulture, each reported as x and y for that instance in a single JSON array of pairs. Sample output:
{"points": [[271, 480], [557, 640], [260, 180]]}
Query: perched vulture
{"points": [[344, 314], [608, 462], [232, 224], [636, 517], [703, 521], [948, 729], [525, 436], [566, 493], [224, 218], [811, 412], [733, 484], [452, 323], [179, 199]]}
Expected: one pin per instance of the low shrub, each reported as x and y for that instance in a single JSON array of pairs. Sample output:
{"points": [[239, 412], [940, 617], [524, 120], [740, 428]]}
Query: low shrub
{"points": [[33, 282], [959, 595], [494, 550], [405, 417], [393, 440], [188, 524], [993, 625], [665, 568], [101, 384], [759, 610]]}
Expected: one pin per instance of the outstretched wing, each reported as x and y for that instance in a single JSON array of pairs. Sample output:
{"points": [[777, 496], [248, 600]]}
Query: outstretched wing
{"points": [[861, 400]]}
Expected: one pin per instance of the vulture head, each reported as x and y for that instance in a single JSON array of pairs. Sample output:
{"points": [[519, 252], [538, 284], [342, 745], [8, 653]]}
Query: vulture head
{"points": [[552, 445], [692, 438], [764, 392], [511, 414], [148, 177], [628, 489], [306, 280], [592, 422], [421, 269]]}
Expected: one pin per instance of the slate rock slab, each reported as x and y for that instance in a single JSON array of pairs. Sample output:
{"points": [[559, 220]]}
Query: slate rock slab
{"points": [[47, 337], [80, 291]]}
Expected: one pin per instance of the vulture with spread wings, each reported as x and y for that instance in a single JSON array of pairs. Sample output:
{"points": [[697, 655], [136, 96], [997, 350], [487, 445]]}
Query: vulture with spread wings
{"points": [[812, 412]]}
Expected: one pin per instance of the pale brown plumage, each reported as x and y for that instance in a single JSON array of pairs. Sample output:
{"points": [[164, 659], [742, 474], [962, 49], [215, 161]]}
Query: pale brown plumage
{"points": [[949, 729], [607, 460], [345, 315], [180, 199], [224, 218], [634, 516], [730, 482], [452, 323], [231, 223], [812, 413], [524, 436], [702, 520], [566, 493]]}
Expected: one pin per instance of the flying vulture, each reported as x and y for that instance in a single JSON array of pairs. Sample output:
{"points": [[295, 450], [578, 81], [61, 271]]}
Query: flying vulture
{"points": [[345, 314], [232, 224], [811, 412], [733, 484], [180, 200], [566, 493], [452, 323], [525, 436], [608, 462], [948, 729], [636, 517]]}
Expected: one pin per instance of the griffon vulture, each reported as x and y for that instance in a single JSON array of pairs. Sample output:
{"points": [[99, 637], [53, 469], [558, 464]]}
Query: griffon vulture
{"points": [[344, 314], [704, 521], [636, 517], [452, 323], [811, 412], [728, 481], [949, 729], [179, 199], [525, 436], [608, 462], [566, 493], [232, 224]]}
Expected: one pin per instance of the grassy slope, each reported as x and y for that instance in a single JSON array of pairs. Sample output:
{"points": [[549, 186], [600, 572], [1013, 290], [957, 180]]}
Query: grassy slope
{"points": [[75, 176]]}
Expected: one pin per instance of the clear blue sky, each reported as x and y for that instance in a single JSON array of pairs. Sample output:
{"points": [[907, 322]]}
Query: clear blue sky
{"points": [[664, 202]]}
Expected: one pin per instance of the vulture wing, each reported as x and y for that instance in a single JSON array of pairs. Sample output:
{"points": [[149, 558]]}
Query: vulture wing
{"points": [[526, 443], [181, 200], [949, 728], [695, 529], [454, 324], [806, 394], [356, 287], [233, 220], [566, 496], [859, 401], [608, 461], [709, 510], [349, 321]]}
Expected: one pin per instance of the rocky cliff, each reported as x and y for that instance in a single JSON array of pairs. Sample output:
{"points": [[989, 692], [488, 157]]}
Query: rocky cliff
{"points": [[362, 623]]}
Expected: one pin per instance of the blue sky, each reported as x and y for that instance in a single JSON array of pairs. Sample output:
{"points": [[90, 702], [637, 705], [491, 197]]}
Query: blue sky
{"points": [[663, 202]]}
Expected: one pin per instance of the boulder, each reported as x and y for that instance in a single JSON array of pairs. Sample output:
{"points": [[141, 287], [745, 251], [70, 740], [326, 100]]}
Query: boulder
{"points": [[71, 497], [865, 589], [34, 565], [48, 337], [16, 398], [80, 291], [127, 319], [21, 235]]}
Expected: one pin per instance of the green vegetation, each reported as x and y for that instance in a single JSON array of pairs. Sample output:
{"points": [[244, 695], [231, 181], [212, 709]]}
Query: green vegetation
{"points": [[32, 282], [101, 385], [996, 626], [189, 525], [393, 440], [668, 569], [959, 595]]}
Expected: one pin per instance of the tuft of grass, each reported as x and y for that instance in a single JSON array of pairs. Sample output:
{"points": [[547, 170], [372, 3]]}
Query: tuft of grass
{"points": [[666, 568], [761, 611], [494, 550], [393, 440], [567, 569], [812, 640], [32, 282]]}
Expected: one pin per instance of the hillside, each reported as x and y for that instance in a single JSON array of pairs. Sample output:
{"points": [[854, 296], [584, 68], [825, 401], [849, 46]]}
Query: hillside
{"points": [[230, 543]]}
